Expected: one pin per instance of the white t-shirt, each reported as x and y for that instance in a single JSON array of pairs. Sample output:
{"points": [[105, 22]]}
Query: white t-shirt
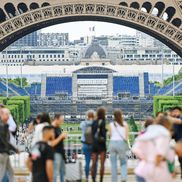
{"points": [[11, 124], [12, 128], [37, 136], [118, 133]]}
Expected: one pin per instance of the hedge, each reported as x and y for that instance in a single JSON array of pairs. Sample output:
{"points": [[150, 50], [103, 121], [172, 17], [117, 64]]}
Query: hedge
{"points": [[26, 101], [14, 109], [3, 100], [21, 108], [163, 103]]}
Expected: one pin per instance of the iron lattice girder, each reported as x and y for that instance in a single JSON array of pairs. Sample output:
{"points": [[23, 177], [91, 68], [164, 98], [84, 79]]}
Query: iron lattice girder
{"points": [[22, 24]]}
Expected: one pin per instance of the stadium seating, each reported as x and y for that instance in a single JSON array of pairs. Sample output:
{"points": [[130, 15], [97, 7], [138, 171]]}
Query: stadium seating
{"points": [[178, 90], [19, 90], [56, 85], [169, 88], [153, 89], [3, 89], [146, 83], [126, 84], [34, 89]]}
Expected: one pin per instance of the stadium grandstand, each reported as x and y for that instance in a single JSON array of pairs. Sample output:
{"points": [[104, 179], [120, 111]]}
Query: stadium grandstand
{"points": [[90, 87], [91, 83], [95, 82]]}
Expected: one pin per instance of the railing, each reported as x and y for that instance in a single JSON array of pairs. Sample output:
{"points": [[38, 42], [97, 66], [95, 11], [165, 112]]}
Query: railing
{"points": [[73, 145]]}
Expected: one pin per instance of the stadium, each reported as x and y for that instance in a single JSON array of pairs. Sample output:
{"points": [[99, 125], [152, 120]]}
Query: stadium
{"points": [[95, 82]]}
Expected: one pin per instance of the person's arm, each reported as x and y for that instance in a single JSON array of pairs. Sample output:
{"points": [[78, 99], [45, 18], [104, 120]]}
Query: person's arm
{"points": [[14, 149], [29, 164], [49, 169], [127, 130], [8, 144], [109, 130], [61, 137], [82, 125], [175, 120], [12, 124], [161, 152], [30, 128]]}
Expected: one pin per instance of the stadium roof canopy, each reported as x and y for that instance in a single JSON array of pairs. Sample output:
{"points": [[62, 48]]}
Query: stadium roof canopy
{"points": [[94, 69]]}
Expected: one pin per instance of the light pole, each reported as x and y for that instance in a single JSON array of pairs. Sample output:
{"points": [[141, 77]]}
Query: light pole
{"points": [[173, 79], [162, 56], [21, 68], [7, 87]]}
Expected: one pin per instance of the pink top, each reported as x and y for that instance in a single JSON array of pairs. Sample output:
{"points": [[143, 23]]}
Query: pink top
{"points": [[146, 149]]}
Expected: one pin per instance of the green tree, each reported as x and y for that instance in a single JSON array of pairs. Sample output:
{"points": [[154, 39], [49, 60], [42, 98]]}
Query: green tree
{"points": [[17, 81]]}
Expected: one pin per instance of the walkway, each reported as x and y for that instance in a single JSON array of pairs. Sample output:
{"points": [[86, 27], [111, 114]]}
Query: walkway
{"points": [[73, 170]]}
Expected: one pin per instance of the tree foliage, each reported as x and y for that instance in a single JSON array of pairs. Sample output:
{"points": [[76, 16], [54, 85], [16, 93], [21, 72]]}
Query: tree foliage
{"points": [[170, 79], [17, 81]]}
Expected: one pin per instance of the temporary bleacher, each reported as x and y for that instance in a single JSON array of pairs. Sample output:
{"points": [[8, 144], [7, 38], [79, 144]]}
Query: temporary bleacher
{"points": [[126, 85], [18, 89], [34, 89], [3, 89], [56, 85], [168, 89]]}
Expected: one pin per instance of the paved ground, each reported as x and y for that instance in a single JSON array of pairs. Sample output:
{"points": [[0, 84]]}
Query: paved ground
{"points": [[131, 179], [107, 178], [73, 170]]}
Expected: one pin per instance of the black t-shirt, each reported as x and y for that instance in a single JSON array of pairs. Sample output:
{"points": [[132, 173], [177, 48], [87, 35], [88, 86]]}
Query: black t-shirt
{"points": [[178, 132], [41, 152], [99, 146], [59, 148]]}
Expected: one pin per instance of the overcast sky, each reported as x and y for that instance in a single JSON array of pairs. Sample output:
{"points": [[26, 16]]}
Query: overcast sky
{"points": [[79, 29]]}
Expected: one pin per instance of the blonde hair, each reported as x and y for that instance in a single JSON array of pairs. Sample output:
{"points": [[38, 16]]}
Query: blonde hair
{"points": [[90, 114], [164, 121]]}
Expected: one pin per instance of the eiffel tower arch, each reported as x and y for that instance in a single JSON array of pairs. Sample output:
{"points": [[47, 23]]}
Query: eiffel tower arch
{"points": [[160, 19]]}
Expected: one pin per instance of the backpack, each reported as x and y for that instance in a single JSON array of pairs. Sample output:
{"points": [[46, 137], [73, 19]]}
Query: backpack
{"points": [[98, 136], [88, 134]]}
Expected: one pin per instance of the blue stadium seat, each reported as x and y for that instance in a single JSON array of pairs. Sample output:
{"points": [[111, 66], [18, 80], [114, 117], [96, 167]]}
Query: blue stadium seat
{"points": [[34, 89], [19, 90], [126, 84], [56, 85]]}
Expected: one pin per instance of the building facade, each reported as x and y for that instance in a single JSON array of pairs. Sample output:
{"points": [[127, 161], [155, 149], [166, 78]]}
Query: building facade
{"points": [[28, 40], [40, 56], [53, 39]]}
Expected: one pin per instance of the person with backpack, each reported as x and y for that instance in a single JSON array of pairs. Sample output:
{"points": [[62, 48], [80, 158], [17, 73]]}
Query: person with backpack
{"points": [[99, 132], [118, 131], [87, 140]]}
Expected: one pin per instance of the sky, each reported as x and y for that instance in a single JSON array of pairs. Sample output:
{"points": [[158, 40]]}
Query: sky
{"points": [[81, 29]]}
